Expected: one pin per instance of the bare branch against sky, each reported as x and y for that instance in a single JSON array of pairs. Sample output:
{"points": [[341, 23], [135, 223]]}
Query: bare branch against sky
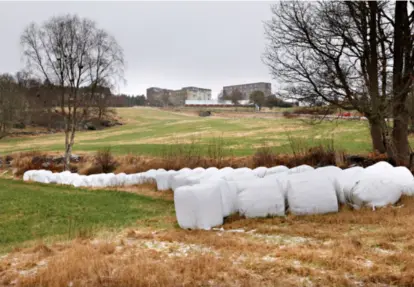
{"points": [[166, 44]]}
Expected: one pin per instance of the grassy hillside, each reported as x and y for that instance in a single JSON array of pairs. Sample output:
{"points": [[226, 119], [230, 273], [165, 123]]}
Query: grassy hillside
{"points": [[148, 131]]}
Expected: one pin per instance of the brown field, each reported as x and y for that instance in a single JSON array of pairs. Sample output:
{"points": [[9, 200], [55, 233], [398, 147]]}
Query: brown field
{"points": [[349, 248]]}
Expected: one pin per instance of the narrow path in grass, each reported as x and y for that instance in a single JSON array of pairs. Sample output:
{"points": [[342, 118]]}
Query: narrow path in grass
{"points": [[31, 211]]}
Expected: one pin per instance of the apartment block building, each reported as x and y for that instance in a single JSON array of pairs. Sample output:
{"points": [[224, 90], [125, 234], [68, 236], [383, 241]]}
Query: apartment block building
{"points": [[164, 97], [158, 97], [247, 89], [194, 93]]}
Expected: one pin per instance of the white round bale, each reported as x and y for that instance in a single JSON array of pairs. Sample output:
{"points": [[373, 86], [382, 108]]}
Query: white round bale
{"points": [[198, 206]]}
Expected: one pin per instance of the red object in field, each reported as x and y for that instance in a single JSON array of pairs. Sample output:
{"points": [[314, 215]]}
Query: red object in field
{"points": [[347, 114]]}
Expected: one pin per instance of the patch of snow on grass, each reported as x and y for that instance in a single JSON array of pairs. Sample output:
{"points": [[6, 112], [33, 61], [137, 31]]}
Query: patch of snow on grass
{"points": [[281, 240]]}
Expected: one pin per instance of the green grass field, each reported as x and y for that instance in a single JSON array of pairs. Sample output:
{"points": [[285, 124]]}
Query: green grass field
{"points": [[147, 131], [36, 212]]}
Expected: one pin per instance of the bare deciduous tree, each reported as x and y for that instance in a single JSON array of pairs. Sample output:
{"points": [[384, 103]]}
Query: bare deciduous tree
{"points": [[258, 98], [235, 97], [74, 57], [355, 55]]}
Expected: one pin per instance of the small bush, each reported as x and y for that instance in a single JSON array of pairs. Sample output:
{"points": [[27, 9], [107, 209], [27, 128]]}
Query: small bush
{"points": [[290, 115], [91, 169], [264, 156], [105, 160]]}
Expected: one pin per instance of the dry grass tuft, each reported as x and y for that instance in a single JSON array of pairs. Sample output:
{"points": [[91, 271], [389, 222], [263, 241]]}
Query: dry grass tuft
{"points": [[90, 168], [105, 160], [106, 248], [41, 248]]}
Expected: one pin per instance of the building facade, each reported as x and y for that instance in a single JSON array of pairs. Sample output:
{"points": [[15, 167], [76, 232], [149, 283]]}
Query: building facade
{"points": [[164, 97], [247, 89], [216, 102], [158, 97], [194, 93]]}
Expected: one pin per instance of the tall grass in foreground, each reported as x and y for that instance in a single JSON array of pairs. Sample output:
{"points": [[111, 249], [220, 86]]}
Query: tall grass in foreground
{"points": [[321, 153], [194, 154], [215, 152]]}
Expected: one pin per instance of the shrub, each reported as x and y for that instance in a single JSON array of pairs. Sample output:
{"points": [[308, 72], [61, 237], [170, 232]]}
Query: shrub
{"points": [[105, 160], [289, 115], [264, 156]]}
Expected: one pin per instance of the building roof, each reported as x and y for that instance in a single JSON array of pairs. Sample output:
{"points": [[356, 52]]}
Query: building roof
{"points": [[248, 84], [214, 102], [195, 88]]}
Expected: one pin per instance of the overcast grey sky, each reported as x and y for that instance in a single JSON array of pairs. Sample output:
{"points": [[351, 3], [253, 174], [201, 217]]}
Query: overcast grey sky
{"points": [[166, 44]]}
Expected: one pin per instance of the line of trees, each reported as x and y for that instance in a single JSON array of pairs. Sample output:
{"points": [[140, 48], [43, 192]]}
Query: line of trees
{"points": [[352, 54], [26, 100]]}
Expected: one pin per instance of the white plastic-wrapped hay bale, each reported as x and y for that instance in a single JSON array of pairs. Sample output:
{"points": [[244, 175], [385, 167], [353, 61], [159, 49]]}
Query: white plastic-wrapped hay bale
{"points": [[94, 180], [374, 191], [244, 183], [404, 177], [228, 192], [179, 179], [108, 180], [61, 177], [80, 181], [283, 179], [134, 178], [345, 181], [240, 176], [330, 172], [212, 169], [378, 168], [69, 179], [242, 170], [311, 193], [260, 171], [121, 179], [193, 178], [44, 176], [212, 177], [261, 198], [300, 169], [276, 170], [27, 176], [226, 169], [164, 180], [198, 206], [149, 176], [198, 169], [185, 178]]}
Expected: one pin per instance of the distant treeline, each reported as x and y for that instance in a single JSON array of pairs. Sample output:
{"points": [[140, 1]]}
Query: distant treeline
{"points": [[123, 100]]}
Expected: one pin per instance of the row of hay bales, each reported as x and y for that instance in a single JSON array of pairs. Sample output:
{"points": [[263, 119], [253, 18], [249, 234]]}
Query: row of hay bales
{"points": [[204, 197]]}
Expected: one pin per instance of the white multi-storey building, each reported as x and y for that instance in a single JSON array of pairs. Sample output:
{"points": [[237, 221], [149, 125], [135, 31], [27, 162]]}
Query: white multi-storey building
{"points": [[247, 89], [194, 93]]}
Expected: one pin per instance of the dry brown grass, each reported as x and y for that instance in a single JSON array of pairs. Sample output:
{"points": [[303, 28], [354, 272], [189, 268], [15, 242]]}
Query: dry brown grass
{"points": [[349, 248], [176, 158]]}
